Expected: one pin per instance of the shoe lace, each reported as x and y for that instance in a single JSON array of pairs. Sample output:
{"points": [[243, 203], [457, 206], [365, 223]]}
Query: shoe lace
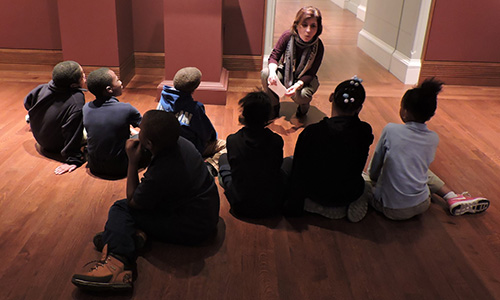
{"points": [[466, 194], [98, 263]]}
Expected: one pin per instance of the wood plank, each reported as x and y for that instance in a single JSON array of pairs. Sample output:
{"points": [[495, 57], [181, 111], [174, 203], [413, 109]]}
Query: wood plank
{"points": [[47, 222]]}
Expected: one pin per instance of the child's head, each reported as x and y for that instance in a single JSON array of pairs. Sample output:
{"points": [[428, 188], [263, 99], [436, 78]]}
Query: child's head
{"points": [[103, 82], [256, 109], [419, 104], [187, 79], [159, 130], [68, 74], [348, 97]]}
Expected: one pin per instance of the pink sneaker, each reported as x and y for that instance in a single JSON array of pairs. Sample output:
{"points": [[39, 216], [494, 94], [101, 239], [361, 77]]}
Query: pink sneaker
{"points": [[465, 203]]}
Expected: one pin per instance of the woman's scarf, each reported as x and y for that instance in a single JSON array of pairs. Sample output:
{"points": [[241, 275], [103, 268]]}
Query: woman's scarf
{"points": [[306, 59]]}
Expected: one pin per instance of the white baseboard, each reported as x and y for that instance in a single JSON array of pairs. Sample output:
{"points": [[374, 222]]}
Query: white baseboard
{"points": [[340, 3], [352, 7], [375, 48], [405, 69], [361, 13]]}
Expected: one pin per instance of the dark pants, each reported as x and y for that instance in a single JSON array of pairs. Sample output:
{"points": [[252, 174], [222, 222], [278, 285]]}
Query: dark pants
{"points": [[226, 179], [123, 221]]}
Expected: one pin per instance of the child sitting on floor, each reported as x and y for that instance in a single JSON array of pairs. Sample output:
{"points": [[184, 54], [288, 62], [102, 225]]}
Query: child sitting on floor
{"points": [[399, 169], [195, 124], [55, 115], [329, 159], [176, 201], [108, 122], [250, 172]]}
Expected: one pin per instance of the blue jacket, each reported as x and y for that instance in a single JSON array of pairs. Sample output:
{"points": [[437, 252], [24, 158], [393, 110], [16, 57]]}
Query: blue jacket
{"points": [[195, 125]]}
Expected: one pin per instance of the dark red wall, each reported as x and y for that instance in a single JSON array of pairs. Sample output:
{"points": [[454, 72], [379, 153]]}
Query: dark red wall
{"points": [[465, 31], [27, 24], [148, 25], [243, 26]]}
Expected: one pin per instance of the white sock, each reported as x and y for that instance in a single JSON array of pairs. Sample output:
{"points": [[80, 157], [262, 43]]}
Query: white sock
{"points": [[450, 195]]}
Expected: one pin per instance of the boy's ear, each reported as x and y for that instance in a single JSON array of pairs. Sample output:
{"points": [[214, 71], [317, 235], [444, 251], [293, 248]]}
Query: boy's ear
{"points": [[109, 89]]}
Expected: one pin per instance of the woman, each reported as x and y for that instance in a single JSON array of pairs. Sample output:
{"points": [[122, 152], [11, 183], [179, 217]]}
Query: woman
{"points": [[295, 60]]}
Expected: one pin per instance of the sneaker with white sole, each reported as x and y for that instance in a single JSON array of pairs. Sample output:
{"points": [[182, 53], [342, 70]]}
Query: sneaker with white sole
{"points": [[465, 203]]}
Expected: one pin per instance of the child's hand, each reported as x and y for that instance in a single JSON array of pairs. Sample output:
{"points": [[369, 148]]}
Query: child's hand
{"points": [[134, 151], [64, 168], [133, 131]]}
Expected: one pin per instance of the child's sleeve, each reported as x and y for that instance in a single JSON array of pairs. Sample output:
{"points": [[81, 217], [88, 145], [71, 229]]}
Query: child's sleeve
{"points": [[135, 117], [377, 162]]}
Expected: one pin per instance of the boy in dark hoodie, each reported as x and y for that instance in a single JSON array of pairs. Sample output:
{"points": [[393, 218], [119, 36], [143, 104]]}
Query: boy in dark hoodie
{"points": [[55, 115], [329, 159], [176, 201], [195, 124]]}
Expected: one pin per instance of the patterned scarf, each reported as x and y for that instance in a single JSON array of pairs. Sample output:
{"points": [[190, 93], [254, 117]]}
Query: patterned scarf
{"points": [[306, 60]]}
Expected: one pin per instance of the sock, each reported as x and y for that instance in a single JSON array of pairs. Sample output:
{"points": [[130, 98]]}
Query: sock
{"points": [[450, 195]]}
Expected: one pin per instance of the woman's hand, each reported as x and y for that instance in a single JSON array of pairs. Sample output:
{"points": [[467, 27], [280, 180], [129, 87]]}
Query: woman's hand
{"points": [[294, 88], [272, 79]]}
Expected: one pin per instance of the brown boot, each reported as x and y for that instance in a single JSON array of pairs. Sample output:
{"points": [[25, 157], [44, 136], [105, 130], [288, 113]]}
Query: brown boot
{"points": [[107, 274]]}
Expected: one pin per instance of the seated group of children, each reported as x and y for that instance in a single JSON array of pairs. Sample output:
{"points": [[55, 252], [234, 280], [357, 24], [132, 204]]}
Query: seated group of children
{"points": [[177, 200]]}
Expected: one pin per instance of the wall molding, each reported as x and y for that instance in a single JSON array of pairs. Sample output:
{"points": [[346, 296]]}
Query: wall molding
{"points": [[361, 13], [242, 62], [404, 68], [154, 60], [375, 48], [30, 57], [462, 73], [340, 3]]}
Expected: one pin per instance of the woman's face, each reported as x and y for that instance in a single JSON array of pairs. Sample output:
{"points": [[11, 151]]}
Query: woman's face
{"points": [[307, 29]]}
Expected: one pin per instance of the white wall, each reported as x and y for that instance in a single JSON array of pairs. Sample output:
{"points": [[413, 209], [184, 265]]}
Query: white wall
{"points": [[394, 34], [357, 7]]}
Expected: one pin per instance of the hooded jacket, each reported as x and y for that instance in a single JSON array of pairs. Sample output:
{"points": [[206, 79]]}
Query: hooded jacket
{"points": [[195, 125], [56, 120]]}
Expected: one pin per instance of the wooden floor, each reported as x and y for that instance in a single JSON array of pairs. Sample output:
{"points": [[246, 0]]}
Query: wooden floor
{"points": [[47, 222]]}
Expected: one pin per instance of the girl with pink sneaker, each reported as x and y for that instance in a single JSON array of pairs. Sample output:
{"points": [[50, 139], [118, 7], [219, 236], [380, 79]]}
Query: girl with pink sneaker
{"points": [[399, 170]]}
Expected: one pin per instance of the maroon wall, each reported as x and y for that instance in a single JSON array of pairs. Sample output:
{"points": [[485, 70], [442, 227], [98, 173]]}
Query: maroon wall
{"points": [[27, 24], [464, 30], [243, 26], [193, 38], [124, 28], [148, 25], [95, 41]]}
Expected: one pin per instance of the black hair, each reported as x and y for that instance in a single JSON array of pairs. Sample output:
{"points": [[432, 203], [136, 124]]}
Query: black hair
{"points": [[421, 101], [349, 95], [256, 109], [66, 73], [98, 80], [161, 128]]}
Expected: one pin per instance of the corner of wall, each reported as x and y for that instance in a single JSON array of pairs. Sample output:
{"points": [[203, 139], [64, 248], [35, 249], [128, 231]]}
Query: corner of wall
{"points": [[375, 48], [340, 3], [405, 69]]}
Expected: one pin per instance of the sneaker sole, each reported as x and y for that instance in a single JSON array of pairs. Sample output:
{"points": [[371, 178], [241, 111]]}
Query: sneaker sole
{"points": [[98, 286], [472, 206], [356, 211]]}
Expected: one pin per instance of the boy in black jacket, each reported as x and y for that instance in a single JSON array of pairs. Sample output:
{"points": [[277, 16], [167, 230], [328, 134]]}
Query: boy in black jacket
{"points": [[55, 115]]}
